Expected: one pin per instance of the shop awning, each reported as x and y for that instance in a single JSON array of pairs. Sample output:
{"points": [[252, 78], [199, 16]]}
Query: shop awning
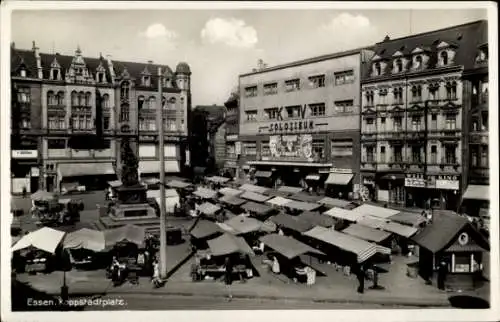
{"points": [[343, 214], [171, 166], [204, 229], [292, 222], [253, 188], [339, 178], [244, 225], [408, 218], [205, 193], [129, 233], [252, 196], [361, 248], [232, 200], [85, 169], [291, 190], [115, 184], [208, 208], [228, 244], [287, 246], [256, 208], [278, 201], [45, 238], [313, 177], [230, 191], [401, 230], [367, 233], [476, 192], [304, 206], [372, 222], [85, 239], [263, 174], [217, 179], [317, 219], [305, 197], [393, 176], [178, 184], [375, 211], [334, 202]]}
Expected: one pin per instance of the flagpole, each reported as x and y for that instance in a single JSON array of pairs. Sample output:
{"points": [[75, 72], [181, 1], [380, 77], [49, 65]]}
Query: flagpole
{"points": [[163, 214]]}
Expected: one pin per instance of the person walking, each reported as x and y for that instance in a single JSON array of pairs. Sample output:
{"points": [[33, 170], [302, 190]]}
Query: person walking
{"points": [[228, 265], [360, 274], [25, 193], [442, 271]]}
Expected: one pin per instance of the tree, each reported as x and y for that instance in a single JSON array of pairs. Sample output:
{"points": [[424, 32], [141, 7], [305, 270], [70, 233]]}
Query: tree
{"points": [[130, 165]]}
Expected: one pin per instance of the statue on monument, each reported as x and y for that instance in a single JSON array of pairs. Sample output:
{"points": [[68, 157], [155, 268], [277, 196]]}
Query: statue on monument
{"points": [[130, 165]]}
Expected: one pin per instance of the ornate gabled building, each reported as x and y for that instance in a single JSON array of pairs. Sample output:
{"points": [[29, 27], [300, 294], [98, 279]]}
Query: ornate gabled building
{"points": [[70, 114], [414, 118]]}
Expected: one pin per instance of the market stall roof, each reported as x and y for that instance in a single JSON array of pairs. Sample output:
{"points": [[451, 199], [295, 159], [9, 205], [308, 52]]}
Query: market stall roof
{"points": [[232, 200], [361, 248], [339, 178], [373, 222], [291, 222], [14, 240], [408, 218], [169, 193], [230, 191], [276, 193], [305, 197], [115, 183], [253, 188], [244, 225], [226, 228], [278, 201], [313, 177], [253, 196], [263, 174], [288, 246], [398, 229], [204, 229], [45, 238], [367, 233], [269, 226], [42, 195], [128, 233], [257, 208], [343, 214], [85, 239], [291, 190], [228, 244], [477, 192], [177, 184], [208, 208], [317, 219], [375, 211], [304, 206], [205, 193], [151, 180], [218, 179], [334, 202]]}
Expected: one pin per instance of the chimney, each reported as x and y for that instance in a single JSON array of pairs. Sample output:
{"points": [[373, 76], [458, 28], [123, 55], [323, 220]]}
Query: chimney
{"points": [[387, 38], [36, 52]]}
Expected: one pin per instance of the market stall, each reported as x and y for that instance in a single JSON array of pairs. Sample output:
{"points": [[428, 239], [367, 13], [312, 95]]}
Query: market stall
{"points": [[317, 219], [278, 202], [411, 219], [276, 193], [291, 225], [257, 209], [290, 190], [339, 203], [296, 207], [253, 196], [83, 247], [376, 211], [209, 210], [253, 188], [202, 232], [227, 191], [343, 216]]}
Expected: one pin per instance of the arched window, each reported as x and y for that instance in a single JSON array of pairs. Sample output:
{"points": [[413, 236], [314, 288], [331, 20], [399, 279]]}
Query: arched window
{"points": [[399, 66], [444, 58], [60, 99], [105, 101], [74, 98], [124, 90], [140, 102], [124, 113], [51, 100], [418, 62], [451, 90], [378, 69], [88, 95], [151, 102]]}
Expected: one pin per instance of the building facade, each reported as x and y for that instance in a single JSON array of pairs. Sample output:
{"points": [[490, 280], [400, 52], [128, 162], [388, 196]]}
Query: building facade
{"points": [[80, 111], [233, 146], [414, 120], [300, 121]]}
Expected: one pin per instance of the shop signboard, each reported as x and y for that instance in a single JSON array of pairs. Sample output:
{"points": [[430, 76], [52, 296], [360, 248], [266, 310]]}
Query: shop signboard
{"points": [[24, 154], [290, 148], [35, 172], [447, 184], [232, 137], [415, 181], [340, 170], [231, 164]]}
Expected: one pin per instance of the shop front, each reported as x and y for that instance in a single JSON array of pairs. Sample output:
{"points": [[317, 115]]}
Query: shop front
{"points": [[368, 189], [391, 188], [24, 171], [476, 197], [339, 183], [91, 175]]}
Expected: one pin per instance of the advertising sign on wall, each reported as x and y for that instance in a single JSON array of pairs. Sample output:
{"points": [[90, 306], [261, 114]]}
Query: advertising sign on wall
{"points": [[24, 154], [447, 184], [295, 147]]}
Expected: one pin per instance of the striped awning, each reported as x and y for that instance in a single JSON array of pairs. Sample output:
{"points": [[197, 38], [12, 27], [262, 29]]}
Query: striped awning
{"points": [[339, 178]]}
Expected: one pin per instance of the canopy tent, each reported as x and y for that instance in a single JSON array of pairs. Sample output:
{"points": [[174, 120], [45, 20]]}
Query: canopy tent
{"points": [[408, 218], [208, 208], [305, 197], [367, 233], [128, 233], [205, 193], [178, 184], [339, 178], [401, 230], [45, 238], [204, 229], [217, 179], [334, 202], [287, 246], [85, 239], [375, 211], [232, 200], [317, 219], [372, 222], [263, 174], [244, 225], [477, 192], [253, 188], [278, 201], [115, 183], [230, 191], [227, 244], [304, 206], [343, 214], [361, 248], [291, 222], [290, 190], [253, 196], [257, 208], [42, 195]]}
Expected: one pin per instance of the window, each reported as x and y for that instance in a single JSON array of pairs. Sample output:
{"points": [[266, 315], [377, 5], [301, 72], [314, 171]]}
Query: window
{"points": [[100, 77], [484, 157], [147, 124], [105, 101], [318, 147], [51, 99], [398, 123], [55, 74], [292, 85], [418, 62], [484, 92], [398, 153], [382, 155], [434, 122], [293, 111], [264, 148], [416, 124], [451, 90], [22, 73], [164, 102], [345, 77], [475, 124], [398, 95], [105, 123], [81, 99], [250, 148], [25, 123], [482, 56], [87, 99], [251, 116], [124, 113], [56, 144], [382, 94], [484, 120], [272, 113], [56, 123], [60, 99], [346, 106], [317, 81], [74, 99], [473, 158], [451, 122], [146, 81], [369, 98], [370, 126], [341, 149], [416, 92], [24, 95], [124, 90], [369, 154], [450, 154], [398, 65], [377, 69], [170, 125], [444, 58], [251, 91], [433, 154], [416, 155], [382, 124], [317, 109], [151, 103], [434, 91], [270, 89]]}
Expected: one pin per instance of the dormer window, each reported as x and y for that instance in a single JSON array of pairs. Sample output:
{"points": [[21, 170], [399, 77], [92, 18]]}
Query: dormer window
{"points": [[399, 65], [55, 74], [418, 62], [378, 69], [100, 77], [146, 80], [444, 58]]}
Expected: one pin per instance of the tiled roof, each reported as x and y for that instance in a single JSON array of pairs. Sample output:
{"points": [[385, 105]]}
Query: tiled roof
{"points": [[18, 57], [467, 38]]}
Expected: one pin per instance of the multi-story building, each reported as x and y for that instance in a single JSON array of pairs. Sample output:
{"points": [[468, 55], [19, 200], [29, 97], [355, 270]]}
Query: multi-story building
{"points": [[73, 112], [414, 120], [299, 122], [233, 146]]}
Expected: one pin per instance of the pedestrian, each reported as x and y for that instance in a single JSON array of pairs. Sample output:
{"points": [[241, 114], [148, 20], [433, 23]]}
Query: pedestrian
{"points": [[228, 265], [360, 274], [442, 271], [156, 274], [25, 192], [275, 265]]}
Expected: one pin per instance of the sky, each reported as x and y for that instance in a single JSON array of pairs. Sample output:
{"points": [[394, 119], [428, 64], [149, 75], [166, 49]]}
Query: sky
{"points": [[219, 45]]}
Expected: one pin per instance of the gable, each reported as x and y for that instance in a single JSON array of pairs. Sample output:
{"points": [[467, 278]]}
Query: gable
{"points": [[417, 50], [376, 57], [398, 54], [467, 239], [443, 44]]}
